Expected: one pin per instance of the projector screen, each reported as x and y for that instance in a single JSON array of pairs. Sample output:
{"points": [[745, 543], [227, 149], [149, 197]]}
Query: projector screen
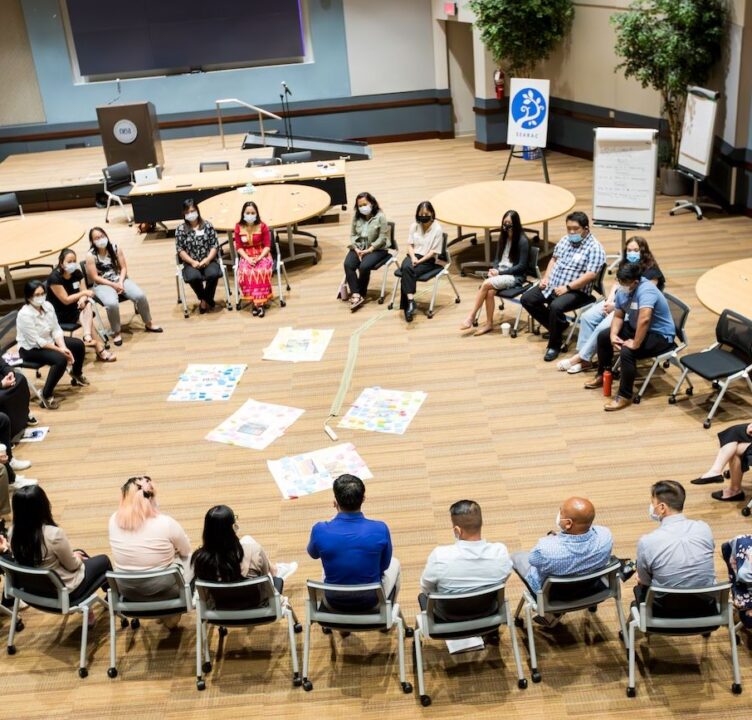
{"points": [[148, 36]]}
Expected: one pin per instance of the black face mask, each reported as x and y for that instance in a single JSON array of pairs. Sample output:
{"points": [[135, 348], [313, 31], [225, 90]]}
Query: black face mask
{"points": [[424, 218], [506, 228]]}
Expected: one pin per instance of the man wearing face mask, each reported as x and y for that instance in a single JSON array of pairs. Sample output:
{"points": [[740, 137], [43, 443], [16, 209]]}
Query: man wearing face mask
{"points": [[577, 548], [677, 554], [649, 331], [566, 286], [471, 562]]}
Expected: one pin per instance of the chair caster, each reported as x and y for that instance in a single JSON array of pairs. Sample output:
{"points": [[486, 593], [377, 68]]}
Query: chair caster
{"points": [[381, 301], [409, 632], [706, 635], [124, 623], [326, 630], [185, 315], [307, 685], [425, 700], [621, 636], [315, 261], [237, 306], [536, 676], [636, 400], [474, 240], [457, 301], [407, 688], [463, 273], [19, 625], [536, 331], [429, 314], [222, 631], [631, 692], [112, 672], [206, 667], [200, 685], [689, 392], [135, 624], [513, 333], [11, 649], [738, 639], [746, 511], [706, 424], [475, 323], [736, 688], [83, 672], [283, 303], [593, 609], [297, 628], [518, 623], [672, 399], [522, 683], [390, 306], [666, 365]]}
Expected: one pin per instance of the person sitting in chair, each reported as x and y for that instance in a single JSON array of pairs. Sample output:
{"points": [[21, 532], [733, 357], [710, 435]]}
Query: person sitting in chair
{"points": [[736, 453], [253, 243]]}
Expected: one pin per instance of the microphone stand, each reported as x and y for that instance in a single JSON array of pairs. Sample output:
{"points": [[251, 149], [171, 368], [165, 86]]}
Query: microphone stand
{"points": [[284, 121], [286, 109]]}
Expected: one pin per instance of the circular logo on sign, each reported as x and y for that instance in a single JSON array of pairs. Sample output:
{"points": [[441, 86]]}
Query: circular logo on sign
{"points": [[529, 108], [125, 131]]}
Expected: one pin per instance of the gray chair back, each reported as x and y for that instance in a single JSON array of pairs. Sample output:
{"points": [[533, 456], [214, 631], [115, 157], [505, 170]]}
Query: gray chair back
{"points": [[577, 592], [319, 610], [716, 595], [40, 588], [598, 283], [262, 162], [296, 157], [679, 314], [465, 614], [117, 175], [214, 166], [8, 331], [735, 331], [154, 593], [393, 246], [9, 205], [251, 601]]}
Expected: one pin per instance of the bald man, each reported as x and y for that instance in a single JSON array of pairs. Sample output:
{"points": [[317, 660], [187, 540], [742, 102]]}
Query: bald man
{"points": [[578, 548]]}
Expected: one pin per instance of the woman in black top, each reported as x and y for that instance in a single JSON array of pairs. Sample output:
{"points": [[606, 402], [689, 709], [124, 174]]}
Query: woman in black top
{"points": [[67, 293], [510, 270]]}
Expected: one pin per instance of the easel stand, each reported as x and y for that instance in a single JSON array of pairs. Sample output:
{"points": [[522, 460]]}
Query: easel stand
{"points": [[694, 204], [521, 154], [616, 259]]}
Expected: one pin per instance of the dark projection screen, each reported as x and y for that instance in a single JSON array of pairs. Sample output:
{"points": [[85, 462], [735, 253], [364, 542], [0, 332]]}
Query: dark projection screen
{"points": [[142, 36]]}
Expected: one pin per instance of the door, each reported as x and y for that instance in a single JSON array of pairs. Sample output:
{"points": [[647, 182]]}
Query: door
{"points": [[461, 75]]}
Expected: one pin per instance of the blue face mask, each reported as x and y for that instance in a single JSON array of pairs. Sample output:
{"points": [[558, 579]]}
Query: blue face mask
{"points": [[575, 239], [633, 256]]}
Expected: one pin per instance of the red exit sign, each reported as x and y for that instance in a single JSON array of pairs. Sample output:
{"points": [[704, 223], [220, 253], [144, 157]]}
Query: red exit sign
{"points": [[450, 8]]}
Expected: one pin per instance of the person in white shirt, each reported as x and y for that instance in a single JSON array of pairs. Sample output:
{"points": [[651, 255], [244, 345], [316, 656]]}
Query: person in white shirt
{"points": [[41, 340], [471, 563], [423, 248]]}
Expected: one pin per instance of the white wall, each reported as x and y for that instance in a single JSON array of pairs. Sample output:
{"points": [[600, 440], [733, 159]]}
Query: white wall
{"points": [[390, 45]]}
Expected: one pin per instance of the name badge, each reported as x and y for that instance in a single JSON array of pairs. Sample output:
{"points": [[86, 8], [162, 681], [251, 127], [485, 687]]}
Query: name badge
{"points": [[577, 257], [76, 285], [199, 233], [634, 306], [243, 237]]}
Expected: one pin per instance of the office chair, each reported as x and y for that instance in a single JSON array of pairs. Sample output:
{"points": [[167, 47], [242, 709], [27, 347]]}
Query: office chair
{"points": [[117, 185], [182, 299], [575, 315], [9, 205], [262, 162], [278, 267], [296, 157], [344, 292]]}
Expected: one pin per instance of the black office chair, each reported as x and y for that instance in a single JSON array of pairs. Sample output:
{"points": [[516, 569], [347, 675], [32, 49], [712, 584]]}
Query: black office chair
{"points": [[599, 289], [391, 259], [9, 206], [262, 162], [117, 186], [296, 157], [214, 166], [729, 358]]}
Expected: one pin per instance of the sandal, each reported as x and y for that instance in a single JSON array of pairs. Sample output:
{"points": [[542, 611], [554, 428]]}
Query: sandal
{"points": [[118, 340], [89, 341], [106, 356], [466, 325], [483, 330]]}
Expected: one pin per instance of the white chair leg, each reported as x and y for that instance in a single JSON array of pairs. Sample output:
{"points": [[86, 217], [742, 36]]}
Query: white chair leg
{"points": [[622, 621], [12, 628], [205, 641], [181, 291], [676, 389], [521, 681], [293, 648], [406, 687], [531, 643], [82, 671], [394, 293], [107, 212], [200, 684], [228, 296], [631, 686], [417, 640], [307, 684], [721, 393], [434, 294], [454, 287], [736, 688], [112, 670]]}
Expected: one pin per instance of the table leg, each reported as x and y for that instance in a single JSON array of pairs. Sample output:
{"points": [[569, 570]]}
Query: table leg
{"points": [[476, 264], [11, 289], [545, 237], [292, 256]]}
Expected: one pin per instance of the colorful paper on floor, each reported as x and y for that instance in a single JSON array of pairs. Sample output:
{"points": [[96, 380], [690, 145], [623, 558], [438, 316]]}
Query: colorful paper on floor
{"points": [[207, 382], [255, 425], [381, 410], [291, 345], [35, 434], [313, 471]]}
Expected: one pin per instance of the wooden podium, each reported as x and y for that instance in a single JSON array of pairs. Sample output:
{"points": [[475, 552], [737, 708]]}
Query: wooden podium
{"points": [[130, 133]]}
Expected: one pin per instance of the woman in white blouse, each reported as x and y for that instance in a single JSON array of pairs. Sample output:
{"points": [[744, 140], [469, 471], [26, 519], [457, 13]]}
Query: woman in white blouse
{"points": [[423, 248], [41, 340]]}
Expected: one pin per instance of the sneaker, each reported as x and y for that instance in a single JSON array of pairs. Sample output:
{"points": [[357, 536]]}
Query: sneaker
{"points": [[17, 464], [284, 570], [31, 420], [49, 403], [79, 380], [21, 482]]}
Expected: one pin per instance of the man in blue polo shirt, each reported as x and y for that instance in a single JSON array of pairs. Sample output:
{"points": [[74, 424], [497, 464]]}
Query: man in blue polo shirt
{"points": [[353, 549], [648, 331]]}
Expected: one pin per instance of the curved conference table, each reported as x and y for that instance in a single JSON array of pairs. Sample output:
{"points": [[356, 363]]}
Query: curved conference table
{"points": [[727, 286], [482, 205], [283, 205], [30, 238]]}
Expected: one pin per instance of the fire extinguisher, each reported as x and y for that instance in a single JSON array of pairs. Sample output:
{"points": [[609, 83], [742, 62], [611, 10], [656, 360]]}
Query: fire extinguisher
{"points": [[498, 78]]}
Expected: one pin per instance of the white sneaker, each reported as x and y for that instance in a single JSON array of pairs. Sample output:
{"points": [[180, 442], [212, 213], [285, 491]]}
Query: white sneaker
{"points": [[284, 570], [21, 482], [17, 464]]}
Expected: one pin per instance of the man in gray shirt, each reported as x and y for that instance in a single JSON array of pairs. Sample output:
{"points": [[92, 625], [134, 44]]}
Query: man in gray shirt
{"points": [[679, 553]]}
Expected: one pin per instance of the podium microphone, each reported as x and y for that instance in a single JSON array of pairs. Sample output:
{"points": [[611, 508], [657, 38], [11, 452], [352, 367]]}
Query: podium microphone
{"points": [[287, 89], [119, 92]]}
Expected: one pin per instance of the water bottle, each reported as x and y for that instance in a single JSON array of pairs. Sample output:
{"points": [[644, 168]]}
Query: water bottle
{"points": [[607, 379]]}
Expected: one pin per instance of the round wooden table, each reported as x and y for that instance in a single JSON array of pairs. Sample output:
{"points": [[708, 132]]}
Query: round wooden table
{"points": [[24, 240], [483, 204], [282, 205], [727, 286]]}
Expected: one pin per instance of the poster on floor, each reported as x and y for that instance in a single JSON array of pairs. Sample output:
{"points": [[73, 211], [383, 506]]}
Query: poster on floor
{"points": [[311, 472], [207, 382], [291, 345], [381, 410], [255, 425]]}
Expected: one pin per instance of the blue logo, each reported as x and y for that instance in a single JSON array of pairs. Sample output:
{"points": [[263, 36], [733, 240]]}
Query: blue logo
{"points": [[529, 108]]}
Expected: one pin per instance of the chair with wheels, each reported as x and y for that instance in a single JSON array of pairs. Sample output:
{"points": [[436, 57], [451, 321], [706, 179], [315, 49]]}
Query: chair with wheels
{"points": [[576, 314], [344, 292], [560, 595], [117, 186], [457, 617], [698, 611], [6, 611], [383, 616], [213, 166], [262, 162], [444, 262], [9, 205], [279, 268], [247, 603], [728, 359], [182, 297], [136, 596], [44, 590], [98, 322]]}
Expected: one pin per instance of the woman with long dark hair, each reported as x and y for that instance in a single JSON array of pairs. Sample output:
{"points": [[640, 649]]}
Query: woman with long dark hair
{"points": [[107, 270], [253, 243], [510, 270]]}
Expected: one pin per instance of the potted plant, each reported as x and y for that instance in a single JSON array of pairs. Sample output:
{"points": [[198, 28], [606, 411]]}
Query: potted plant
{"points": [[668, 45], [521, 33]]}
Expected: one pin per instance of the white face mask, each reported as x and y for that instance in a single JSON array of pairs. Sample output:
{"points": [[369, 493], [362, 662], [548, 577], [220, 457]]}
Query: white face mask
{"points": [[365, 209], [101, 243], [652, 513], [191, 216], [70, 267], [250, 218], [37, 300]]}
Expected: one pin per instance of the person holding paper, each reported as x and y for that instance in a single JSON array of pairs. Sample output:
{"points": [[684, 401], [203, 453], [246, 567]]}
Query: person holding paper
{"points": [[253, 243]]}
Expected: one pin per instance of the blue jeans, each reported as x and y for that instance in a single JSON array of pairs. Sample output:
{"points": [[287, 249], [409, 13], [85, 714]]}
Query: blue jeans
{"points": [[592, 321]]}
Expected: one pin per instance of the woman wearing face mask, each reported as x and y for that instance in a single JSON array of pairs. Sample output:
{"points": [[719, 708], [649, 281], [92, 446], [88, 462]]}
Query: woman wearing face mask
{"points": [[67, 293], [598, 317], [41, 340], [510, 271], [369, 238], [253, 243], [198, 249], [108, 271], [423, 246]]}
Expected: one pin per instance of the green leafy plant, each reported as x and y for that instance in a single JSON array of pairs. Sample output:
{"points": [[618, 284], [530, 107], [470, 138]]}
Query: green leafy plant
{"points": [[668, 45], [521, 33]]}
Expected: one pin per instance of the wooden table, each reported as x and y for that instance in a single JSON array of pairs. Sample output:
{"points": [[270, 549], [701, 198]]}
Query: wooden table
{"points": [[282, 205], [482, 205], [30, 238], [727, 286]]}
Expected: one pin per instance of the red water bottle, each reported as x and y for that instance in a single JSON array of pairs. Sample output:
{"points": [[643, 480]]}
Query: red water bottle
{"points": [[607, 378]]}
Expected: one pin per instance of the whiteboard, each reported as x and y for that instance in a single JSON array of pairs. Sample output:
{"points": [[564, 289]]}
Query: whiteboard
{"points": [[625, 165], [697, 132]]}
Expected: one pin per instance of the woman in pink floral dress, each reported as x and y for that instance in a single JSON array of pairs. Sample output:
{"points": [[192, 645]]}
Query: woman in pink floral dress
{"points": [[254, 247]]}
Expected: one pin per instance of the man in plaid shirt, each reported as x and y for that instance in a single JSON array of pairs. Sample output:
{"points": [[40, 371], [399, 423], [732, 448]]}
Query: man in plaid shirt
{"points": [[569, 277]]}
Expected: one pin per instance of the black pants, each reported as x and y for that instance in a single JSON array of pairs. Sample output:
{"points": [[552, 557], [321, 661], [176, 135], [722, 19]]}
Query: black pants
{"points": [[358, 272], [5, 439], [95, 569], [549, 311], [196, 277], [653, 344], [14, 402], [410, 275], [57, 362]]}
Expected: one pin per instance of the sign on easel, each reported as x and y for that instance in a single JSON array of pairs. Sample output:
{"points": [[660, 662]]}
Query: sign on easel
{"points": [[528, 112]]}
